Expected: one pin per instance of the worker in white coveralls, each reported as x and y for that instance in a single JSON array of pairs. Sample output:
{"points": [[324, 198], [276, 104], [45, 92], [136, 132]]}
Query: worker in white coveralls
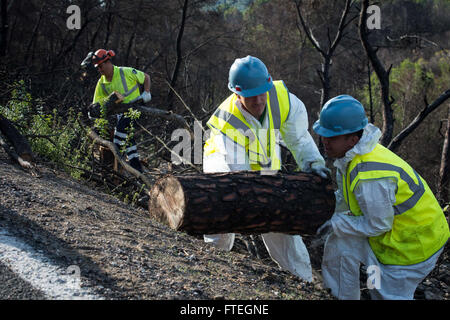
{"points": [[386, 216], [245, 133]]}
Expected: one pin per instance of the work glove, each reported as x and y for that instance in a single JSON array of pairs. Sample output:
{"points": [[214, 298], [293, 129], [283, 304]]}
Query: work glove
{"points": [[94, 111], [322, 234], [146, 96], [320, 170]]}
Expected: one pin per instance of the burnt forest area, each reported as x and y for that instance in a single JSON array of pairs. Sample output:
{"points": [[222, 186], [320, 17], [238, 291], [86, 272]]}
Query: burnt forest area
{"points": [[66, 190]]}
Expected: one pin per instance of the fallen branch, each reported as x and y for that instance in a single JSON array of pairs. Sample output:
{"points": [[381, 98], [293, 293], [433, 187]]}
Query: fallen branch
{"points": [[22, 162], [19, 142], [114, 105], [169, 115], [115, 151]]}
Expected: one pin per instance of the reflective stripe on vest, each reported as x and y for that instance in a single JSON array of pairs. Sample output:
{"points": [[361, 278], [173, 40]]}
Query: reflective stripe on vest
{"points": [[228, 120], [417, 189], [239, 135], [125, 92]]}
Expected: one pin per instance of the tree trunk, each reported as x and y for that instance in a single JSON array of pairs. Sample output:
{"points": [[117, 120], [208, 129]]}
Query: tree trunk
{"points": [[444, 174], [244, 202], [18, 141], [382, 75], [176, 69], [4, 31]]}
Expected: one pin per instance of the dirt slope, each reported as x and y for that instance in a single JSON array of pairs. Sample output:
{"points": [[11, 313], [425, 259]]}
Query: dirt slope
{"points": [[124, 254]]}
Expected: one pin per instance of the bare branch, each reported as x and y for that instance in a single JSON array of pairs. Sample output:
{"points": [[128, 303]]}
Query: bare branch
{"points": [[395, 143], [342, 25], [324, 74], [416, 37], [165, 146], [308, 30]]}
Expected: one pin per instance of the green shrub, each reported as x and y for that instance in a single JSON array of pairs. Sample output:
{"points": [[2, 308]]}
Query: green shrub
{"points": [[54, 137]]}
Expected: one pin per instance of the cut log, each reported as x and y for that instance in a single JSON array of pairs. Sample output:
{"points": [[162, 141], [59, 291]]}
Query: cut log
{"points": [[18, 141], [242, 202]]}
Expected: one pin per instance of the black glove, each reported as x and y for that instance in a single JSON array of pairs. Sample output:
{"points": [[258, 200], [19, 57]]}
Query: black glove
{"points": [[94, 110]]}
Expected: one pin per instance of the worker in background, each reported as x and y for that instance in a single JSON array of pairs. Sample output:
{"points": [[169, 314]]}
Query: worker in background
{"points": [[246, 130], [386, 216], [126, 81]]}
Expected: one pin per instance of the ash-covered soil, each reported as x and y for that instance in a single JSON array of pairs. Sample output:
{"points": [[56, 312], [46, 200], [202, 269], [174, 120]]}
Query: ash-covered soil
{"points": [[123, 253]]}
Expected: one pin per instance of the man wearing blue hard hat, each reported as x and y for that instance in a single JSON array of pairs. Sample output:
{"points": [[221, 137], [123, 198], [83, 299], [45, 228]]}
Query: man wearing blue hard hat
{"points": [[246, 130], [386, 216]]}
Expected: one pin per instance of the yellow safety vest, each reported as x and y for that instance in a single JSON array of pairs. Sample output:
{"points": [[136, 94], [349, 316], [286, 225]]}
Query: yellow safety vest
{"points": [[228, 120], [125, 81], [419, 229]]}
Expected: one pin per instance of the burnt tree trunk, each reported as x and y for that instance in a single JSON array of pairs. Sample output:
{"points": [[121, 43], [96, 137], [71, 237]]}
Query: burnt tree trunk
{"points": [[382, 75], [444, 174], [19, 142], [244, 202]]}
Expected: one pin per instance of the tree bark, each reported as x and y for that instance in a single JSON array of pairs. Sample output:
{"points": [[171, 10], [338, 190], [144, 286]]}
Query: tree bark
{"points": [[176, 69], [4, 31], [444, 172], [243, 202], [19, 142]]}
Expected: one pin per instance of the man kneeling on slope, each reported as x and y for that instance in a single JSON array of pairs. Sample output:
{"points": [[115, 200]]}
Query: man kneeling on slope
{"points": [[386, 216]]}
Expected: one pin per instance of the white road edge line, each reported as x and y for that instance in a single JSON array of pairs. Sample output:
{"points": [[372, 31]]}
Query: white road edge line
{"points": [[34, 267]]}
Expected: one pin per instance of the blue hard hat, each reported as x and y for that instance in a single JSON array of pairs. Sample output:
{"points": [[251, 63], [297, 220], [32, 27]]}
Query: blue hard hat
{"points": [[340, 115], [249, 77]]}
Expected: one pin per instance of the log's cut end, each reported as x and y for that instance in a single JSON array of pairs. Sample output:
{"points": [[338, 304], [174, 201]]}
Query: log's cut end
{"points": [[167, 202]]}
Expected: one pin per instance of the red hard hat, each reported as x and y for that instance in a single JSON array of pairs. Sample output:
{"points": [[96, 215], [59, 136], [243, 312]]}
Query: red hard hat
{"points": [[101, 55]]}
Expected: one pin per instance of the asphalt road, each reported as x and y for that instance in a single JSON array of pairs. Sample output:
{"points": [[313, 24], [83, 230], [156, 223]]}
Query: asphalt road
{"points": [[14, 288]]}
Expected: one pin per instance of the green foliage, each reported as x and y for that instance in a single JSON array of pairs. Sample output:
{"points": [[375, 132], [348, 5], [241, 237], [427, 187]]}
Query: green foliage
{"points": [[240, 5], [50, 136], [412, 85], [102, 125], [133, 114], [19, 107], [410, 82]]}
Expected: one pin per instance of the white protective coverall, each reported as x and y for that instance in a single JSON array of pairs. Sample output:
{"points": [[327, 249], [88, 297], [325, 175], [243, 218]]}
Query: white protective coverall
{"points": [[347, 246], [288, 251]]}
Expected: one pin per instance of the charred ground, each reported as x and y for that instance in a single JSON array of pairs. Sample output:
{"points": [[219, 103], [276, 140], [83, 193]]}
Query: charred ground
{"points": [[124, 254]]}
